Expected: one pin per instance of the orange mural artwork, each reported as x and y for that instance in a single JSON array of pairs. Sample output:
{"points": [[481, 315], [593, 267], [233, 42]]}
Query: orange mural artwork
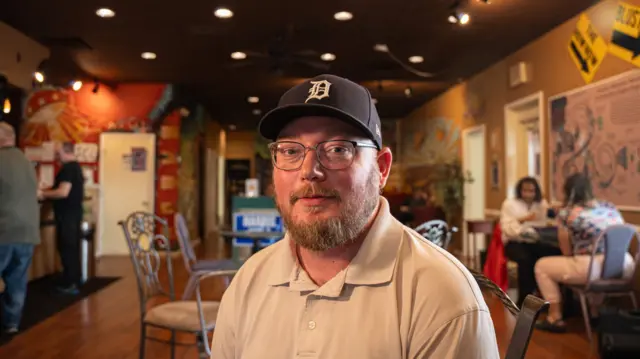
{"points": [[50, 115]]}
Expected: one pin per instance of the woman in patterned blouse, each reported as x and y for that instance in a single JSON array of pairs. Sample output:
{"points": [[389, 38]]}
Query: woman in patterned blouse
{"points": [[580, 221]]}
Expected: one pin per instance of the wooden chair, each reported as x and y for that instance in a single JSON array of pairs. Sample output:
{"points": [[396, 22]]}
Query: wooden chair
{"points": [[148, 250], [475, 227]]}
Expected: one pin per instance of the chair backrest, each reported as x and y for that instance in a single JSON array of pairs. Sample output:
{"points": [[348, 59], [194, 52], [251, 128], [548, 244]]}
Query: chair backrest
{"points": [[184, 240], [436, 231], [145, 247], [616, 241], [526, 316], [531, 309]]}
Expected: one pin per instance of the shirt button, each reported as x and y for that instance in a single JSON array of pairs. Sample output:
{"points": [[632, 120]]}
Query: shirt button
{"points": [[312, 324]]}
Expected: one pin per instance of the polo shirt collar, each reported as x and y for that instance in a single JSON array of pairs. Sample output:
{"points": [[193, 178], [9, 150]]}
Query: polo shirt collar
{"points": [[374, 263]]}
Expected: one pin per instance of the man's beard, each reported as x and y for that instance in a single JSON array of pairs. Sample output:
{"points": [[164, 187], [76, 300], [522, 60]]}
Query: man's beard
{"points": [[323, 234]]}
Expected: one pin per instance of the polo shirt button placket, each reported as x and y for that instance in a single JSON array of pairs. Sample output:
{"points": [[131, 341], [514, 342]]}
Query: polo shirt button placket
{"points": [[308, 341]]}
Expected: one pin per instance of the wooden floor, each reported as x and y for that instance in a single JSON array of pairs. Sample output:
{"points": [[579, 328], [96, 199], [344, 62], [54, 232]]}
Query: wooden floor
{"points": [[106, 325]]}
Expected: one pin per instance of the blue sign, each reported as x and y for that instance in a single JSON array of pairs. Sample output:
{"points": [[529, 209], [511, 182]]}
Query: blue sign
{"points": [[257, 222]]}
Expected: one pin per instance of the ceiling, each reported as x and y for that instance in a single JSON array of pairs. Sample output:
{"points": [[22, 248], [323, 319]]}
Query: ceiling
{"points": [[193, 47]]}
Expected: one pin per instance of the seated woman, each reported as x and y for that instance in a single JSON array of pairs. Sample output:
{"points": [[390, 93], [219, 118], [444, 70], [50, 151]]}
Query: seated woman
{"points": [[518, 217], [580, 221]]}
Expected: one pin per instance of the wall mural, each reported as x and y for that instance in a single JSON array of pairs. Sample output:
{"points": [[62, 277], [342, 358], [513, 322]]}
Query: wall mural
{"points": [[191, 131], [428, 142], [59, 114], [596, 130]]}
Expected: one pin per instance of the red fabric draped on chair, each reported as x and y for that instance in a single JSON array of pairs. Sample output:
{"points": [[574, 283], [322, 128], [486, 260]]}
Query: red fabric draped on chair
{"points": [[495, 267]]}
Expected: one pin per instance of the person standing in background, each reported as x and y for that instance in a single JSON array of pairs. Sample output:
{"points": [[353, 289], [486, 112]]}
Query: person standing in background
{"points": [[19, 227], [67, 194]]}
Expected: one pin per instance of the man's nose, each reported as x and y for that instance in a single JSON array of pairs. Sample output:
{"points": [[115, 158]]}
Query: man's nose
{"points": [[311, 169]]}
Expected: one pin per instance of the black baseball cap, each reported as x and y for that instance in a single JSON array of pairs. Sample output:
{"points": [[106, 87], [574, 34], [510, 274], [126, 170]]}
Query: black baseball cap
{"points": [[325, 95]]}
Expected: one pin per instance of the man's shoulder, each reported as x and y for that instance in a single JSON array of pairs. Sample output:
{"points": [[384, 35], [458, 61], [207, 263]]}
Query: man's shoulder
{"points": [[13, 154], [437, 274]]}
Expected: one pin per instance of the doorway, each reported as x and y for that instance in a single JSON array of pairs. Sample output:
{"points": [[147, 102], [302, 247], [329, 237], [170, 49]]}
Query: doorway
{"points": [[474, 163], [237, 173], [127, 184], [523, 123]]}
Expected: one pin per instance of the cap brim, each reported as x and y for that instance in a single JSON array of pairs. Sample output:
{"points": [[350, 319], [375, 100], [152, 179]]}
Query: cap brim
{"points": [[275, 120]]}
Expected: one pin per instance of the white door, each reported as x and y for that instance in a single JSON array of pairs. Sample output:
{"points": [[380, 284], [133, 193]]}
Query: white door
{"points": [[127, 174], [473, 144], [523, 123]]}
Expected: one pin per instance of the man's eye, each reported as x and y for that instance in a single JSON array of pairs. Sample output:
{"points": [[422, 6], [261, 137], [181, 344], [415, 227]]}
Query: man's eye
{"points": [[288, 151], [337, 149]]}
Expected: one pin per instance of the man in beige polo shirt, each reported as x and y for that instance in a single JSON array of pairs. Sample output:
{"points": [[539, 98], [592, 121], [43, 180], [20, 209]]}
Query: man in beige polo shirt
{"points": [[348, 281]]}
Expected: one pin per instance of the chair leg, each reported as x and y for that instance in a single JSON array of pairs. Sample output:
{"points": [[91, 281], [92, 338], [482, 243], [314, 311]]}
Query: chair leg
{"points": [[143, 339], [585, 314], [188, 290], [173, 344], [634, 301]]}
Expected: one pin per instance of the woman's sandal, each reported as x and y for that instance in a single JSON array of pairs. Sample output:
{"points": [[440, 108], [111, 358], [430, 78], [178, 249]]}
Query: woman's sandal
{"points": [[557, 326]]}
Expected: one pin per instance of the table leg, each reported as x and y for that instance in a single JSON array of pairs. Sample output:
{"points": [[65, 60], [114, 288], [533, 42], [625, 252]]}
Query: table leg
{"points": [[256, 245]]}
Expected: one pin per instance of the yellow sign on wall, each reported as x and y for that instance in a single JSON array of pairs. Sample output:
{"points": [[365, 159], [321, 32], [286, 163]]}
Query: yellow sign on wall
{"points": [[587, 48], [626, 30]]}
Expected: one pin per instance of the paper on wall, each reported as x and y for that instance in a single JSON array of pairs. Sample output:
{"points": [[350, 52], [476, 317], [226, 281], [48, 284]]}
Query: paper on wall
{"points": [[88, 175], [46, 176], [86, 152], [48, 152]]}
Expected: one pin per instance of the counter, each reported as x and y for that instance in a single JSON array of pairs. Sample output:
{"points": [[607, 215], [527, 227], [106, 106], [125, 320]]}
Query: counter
{"points": [[45, 255]]}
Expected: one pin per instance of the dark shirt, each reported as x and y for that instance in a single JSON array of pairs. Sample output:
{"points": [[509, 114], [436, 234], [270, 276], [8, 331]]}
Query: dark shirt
{"points": [[71, 205], [19, 209]]}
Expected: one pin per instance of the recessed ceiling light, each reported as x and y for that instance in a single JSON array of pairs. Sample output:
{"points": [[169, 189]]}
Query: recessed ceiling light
{"points": [[232, 127], [253, 99], [464, 18], [38, 76], [223, 13], [256, 111], [76, 85], [327, 57], [452, 18], [105, 13], [416, 59], [149, 55], [238, 55], [343, 16]]}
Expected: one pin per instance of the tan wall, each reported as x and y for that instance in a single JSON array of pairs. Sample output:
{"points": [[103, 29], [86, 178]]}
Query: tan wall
{"points": [[241, 145], [553, 72], [214, 189]]}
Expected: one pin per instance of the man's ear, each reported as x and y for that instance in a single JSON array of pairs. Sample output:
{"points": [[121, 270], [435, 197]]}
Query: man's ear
{"points": [[384, 159]]}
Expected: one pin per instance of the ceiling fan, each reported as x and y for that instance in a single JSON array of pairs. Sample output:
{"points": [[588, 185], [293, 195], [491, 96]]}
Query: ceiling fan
{"points": [[279, 57]]}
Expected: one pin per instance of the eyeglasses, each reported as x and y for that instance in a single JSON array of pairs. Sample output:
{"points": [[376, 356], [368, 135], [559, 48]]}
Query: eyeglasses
{"points": [[332, 155]]}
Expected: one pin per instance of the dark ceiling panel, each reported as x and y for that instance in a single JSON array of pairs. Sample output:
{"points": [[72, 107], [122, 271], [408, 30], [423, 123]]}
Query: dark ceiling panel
{"points": [[193, 46]]}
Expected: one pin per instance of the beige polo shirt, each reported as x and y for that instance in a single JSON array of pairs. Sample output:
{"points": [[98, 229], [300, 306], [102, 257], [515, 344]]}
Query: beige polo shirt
{"points": [[400, 297]]}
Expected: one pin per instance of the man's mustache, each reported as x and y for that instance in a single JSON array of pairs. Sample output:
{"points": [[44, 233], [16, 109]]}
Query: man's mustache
{"points": [[313, 191]]}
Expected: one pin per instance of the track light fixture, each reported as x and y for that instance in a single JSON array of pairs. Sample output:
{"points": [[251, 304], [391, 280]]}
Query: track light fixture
{"points": [[456, 16]]}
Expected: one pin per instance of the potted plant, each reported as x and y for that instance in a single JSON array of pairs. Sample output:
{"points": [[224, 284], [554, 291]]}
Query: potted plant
{"points": [[448, 186]]}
